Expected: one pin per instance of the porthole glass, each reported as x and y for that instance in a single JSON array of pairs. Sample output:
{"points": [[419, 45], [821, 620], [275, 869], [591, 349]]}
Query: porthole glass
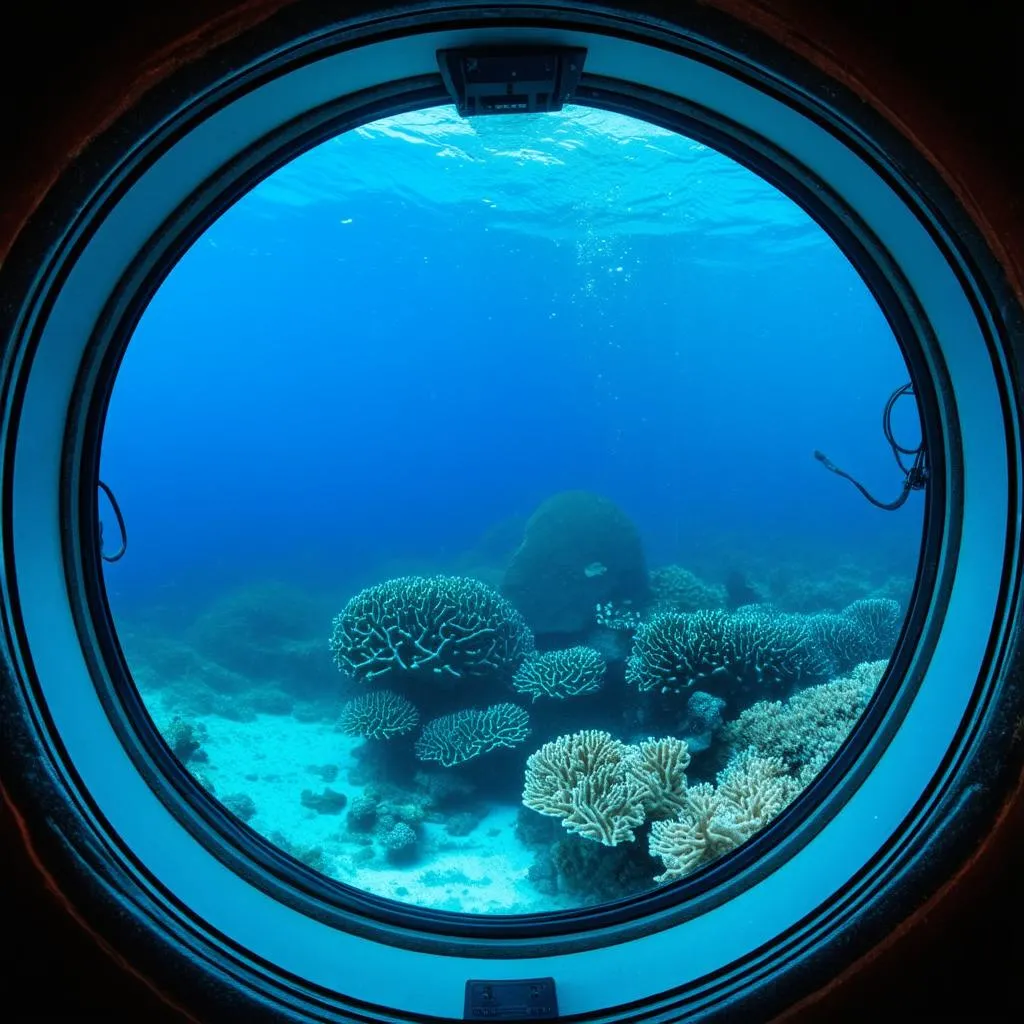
{"points": [[479, 554]]}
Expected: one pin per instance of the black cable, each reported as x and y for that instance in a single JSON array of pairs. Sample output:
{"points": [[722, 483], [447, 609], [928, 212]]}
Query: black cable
{"points": [[915, 476], [120, 525]]}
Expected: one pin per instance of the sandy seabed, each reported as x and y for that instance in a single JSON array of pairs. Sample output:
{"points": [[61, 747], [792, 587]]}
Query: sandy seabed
{"points": [[274, 758]]}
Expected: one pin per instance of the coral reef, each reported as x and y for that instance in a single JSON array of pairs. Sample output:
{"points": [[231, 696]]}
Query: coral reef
{"points": [[602, 788], [328, 801], [605, 790], [362, 814], [879, 619], [704, 716], [591, 872], [728, 652], [579, 550], [675, 589], [564, 673], [866, 630], [400, 843], [805, 731], [311, 856], [378, 715], [713, 820], [446, 627], [186, 739], [453, 739], [659, 767], [240, 804]]}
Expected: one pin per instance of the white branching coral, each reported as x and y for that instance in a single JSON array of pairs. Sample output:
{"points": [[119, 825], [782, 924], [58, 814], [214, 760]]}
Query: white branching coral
{"points": [[602, 788], [448, 628], [565, 673], [713, 820], [806, 730], [378, 715], [606, 806], [554, 771], [659, 768], [453, 739]]}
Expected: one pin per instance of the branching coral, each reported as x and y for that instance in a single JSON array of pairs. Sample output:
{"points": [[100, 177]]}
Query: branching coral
{"points": [[565, 673], [453, 739], [606, 805], [805, 731], [659, 768], [449, 626], [841, 639], [716, 819], [772, 647], [676, 589], [721, 651], [865, 630], [378, 715], [673, 651], [603, 789], [554, 771], [879, 619]]}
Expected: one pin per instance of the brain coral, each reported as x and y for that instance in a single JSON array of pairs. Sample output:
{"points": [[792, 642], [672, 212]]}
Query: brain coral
{"points": [[579, 550], [453, 627]]}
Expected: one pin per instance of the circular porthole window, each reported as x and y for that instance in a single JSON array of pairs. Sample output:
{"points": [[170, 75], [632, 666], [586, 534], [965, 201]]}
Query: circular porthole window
{"points": [[541, 538], [412, 586]]}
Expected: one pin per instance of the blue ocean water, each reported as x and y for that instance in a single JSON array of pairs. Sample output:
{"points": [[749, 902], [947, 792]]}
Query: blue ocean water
{"points": [[385, 357]]}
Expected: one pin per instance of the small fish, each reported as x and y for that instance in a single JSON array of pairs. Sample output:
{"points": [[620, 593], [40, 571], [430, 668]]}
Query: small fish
{"points": [[595, 569]]}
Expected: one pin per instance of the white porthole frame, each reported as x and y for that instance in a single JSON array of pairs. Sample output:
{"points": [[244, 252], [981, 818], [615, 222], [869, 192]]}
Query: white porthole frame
{"points": [[408, 981]]}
